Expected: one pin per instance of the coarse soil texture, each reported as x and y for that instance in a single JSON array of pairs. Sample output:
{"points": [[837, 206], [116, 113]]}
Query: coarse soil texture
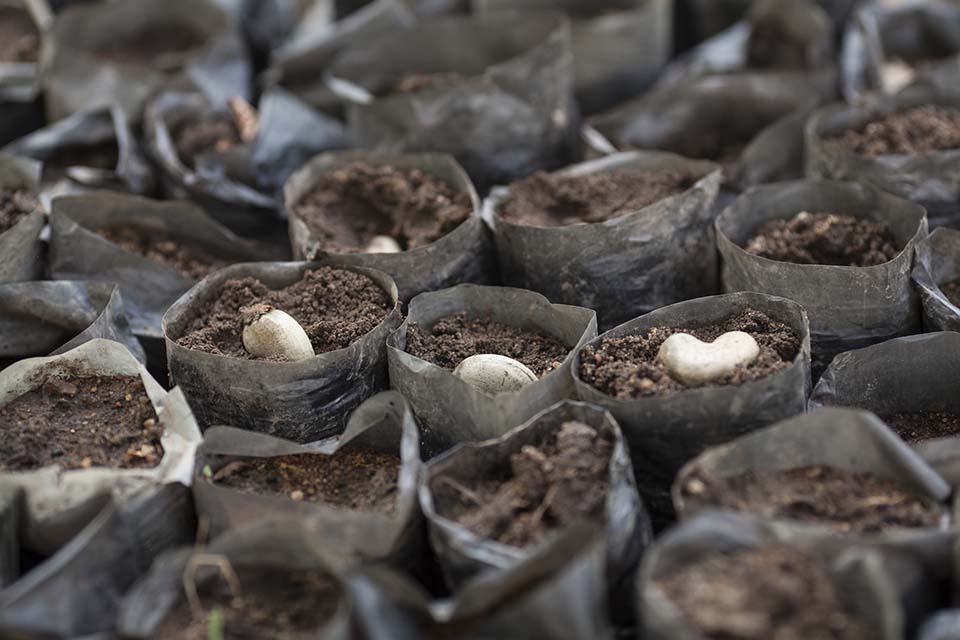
{"points": [[192, 262], [925, 425], [918, 130]]}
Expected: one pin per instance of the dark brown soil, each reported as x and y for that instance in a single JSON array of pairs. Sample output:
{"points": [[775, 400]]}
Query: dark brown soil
{"points": [[917, 130], [552, 200], [825, 238], [79, 423], [15, 205], [192, 262], [952, 291], [846, 501], [359, 480], [162, 46], [454, 338], [917, 427], [414, 82], [334, 306], [351, 205], [537, 491], [771, 593], [19, 37], [288, 604], [102, 155], [628, 367], [215, 132]]}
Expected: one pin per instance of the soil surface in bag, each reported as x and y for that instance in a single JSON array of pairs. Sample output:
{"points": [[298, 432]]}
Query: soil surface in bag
{"points": [[349, 479], [269, 604], [334, 306], [537, 491], [351, 205], [79, 423], [758, 594], [918, 130], [824, 238], [454, 338], [629, 366], [163, 46], [952, 291], [549, 200], [192, 262], [848, 502], [926, 425], [19, 37], [16, 204]]}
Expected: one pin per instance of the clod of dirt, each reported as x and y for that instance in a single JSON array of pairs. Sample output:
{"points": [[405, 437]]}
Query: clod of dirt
{"points": [[19, 37], [192, 262], [79, 423], [918, 130], [952, 291], [15, 205], [926, 425], [845, 501], [545, 488], [826, 239]]}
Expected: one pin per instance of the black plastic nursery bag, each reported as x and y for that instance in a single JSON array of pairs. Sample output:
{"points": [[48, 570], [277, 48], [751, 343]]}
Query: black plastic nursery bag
{"points": [[938, 264]]}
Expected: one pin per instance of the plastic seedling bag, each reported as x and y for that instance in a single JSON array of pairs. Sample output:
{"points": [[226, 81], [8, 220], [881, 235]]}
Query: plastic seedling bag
{"points": [[938, 264]]}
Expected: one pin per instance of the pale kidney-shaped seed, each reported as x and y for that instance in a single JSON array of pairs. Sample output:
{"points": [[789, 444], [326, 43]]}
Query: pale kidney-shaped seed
{"points": [[693, 363], [275, 334], [383, 244], [494, 373]]}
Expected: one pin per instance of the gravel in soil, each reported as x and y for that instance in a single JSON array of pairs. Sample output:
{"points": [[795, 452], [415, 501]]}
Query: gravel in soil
{"points": [[628, 366], [19, 37], [825, 239], [553, 200], [918, 130], [349, 479], [284, 604], [771, 593], [454, 338], [79, 423], [15, 205], [334, 306], [926, 425], [214, 133], [192, 262], [351, 205], [538, 491], [846, 501], [951, 290]]}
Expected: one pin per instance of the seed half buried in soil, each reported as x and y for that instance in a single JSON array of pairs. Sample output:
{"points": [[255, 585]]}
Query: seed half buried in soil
{"points": [[774, 592], [535, 492], [78, 423], [926, 425], [918, 130], [845, 501], [192, 262], [348, 479], [15, 205]]}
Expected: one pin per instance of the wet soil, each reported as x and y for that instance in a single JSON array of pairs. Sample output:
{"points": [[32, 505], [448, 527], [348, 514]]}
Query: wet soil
{"points": [[162, 46], [453, 338], [552, 200], [926, 425], [334, 306], [826, 239], [415, 82], [770, 593], [192, 262], [287, 604], [845, 501], [918, 130], [79, 423], [349, 479], [351, 205], [537, 491], [15, 205], [951, 290], [628, 366], [215, 132], [19, 37]]}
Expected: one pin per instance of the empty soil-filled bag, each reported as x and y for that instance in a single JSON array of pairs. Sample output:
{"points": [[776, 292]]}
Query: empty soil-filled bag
{"points": [[669, 416], [518, 345], [414, 216], [622, 235], [22, 219], [285, 348], [844, 251], [937, 276], [908, 145], [494, 91]]}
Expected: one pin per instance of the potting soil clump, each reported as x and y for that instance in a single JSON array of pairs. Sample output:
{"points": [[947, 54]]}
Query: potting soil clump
{"points": [[192, 262], [918, 130], [16, 205]]}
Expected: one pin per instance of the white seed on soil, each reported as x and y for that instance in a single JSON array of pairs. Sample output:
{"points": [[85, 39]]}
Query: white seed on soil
{"points": [[494, 373], [383, 244], [276, 335], [693, 363]]}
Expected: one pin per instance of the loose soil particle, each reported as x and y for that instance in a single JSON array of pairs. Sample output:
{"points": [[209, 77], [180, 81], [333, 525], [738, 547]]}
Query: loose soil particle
{"points": [[918, 130], [191, 262], [826, 239], [926, 425], [628, 367], [848, 502], [19, 37], [14, 206], [216, 132], [453, 338], [334, 306], [952, 291], [351, 205], [358, 480], [553, 200], [542, 489], [771, 593], [287, 605], [79, 423]]}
